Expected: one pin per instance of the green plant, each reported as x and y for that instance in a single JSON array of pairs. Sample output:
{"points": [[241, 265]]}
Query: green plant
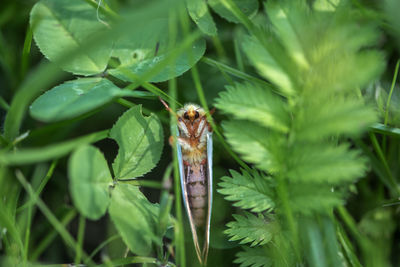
{"points": [[309, 131]]}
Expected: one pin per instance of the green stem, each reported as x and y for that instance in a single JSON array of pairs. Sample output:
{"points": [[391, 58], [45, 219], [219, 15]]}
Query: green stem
{"points": [[4, 104], [43, 183], [66, 236], [103, 244], [81, 234], [236, 73], [381, 156], [396, 71], [46, 241], [26, 51], [238, 55], [145, 183]]}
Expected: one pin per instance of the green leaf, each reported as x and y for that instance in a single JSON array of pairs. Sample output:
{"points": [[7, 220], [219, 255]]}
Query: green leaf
{"points": [[90, 180], [308, 198], [248, 7], [257, 230], [315, 162], [252, 102], [60, 26], [199, 13], [249, 191], [144, 59], [50, 152], [271, 63], [254, 257], [74, 98], [255, 143], [134, 217], [140, 141]]}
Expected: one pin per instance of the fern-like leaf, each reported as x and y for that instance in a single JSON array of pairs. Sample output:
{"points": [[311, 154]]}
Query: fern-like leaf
{"points": [[242, 189], [254, 257], [252, 102], [257, 230]]}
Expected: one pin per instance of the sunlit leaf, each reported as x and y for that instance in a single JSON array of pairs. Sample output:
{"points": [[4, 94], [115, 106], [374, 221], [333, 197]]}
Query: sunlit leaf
{"points": [[248, 7], [76, 97], [140, 141], [60, 26], [90, 180], [252, 102], [199, 13]]}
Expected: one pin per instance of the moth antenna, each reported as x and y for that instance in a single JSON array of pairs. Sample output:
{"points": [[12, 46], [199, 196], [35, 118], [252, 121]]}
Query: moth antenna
{"points": [[166, 106], [212, 111]]}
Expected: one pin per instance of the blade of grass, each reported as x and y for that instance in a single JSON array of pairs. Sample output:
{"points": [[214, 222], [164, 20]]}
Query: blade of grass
{"points": [[54, 151], [236, 73], [43, 183], [396, 71], [382, 158], [144, 183], [46, 241], [4, 104], [26, 51], [238, 55], [66, 236], [137, 259], [102, 245], [179, 238], [79, 243], [386, 130]]}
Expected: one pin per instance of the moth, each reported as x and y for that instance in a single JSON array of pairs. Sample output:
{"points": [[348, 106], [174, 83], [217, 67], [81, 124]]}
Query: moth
{"points": [[194, 150]]}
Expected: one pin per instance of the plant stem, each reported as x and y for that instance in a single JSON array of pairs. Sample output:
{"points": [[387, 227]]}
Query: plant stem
{"points": [[381, 156], [81, 234], [396, 71]]}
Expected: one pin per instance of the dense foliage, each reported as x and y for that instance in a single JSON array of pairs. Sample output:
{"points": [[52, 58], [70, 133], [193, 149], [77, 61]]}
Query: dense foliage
{"points": [[306, 129]]}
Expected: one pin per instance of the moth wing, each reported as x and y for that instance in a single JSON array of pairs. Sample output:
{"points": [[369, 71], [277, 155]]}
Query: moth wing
{"points": [[210, 194], [186, 198]]}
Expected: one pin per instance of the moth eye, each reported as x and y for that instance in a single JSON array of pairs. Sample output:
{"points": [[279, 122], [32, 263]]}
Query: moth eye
{"points": [[186, 116], [196, 116]]}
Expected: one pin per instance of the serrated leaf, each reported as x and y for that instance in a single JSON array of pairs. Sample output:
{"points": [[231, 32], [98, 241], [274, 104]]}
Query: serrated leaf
{"points": [[257, 230], [271, 63], [90, 180], [254, 257], [60, 26], [252, 102], [147, 61], [140, 141], [134, 217], [249, 191], [199, 13], [315, 162], [308, 198], [255, 143], [76, 97], [248, 7], [347, 117]]}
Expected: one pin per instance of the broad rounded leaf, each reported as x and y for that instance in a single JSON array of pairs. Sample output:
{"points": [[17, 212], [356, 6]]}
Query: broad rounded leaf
{"points": [[199, 13], [140, 141], [90, 179], [248, 7], [60, 26], [134, 217], [76, 97], [142, 60]]}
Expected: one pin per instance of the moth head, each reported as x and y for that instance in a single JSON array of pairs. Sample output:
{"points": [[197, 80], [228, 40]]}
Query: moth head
{"points": [[191, 112]]}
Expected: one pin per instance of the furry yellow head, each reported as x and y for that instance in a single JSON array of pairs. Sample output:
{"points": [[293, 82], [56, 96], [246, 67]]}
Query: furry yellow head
{"points": [[191, 112]]}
